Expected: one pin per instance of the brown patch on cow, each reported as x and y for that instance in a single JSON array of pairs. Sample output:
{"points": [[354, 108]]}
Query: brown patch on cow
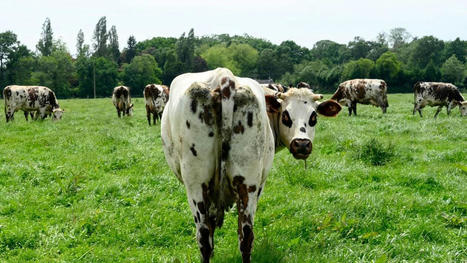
{"points": [[211, 134], [250, 119], [286, 120], [194, 105], [246, 243], [7, 93], [259, 191], [339, 94], [272, 104], [206, 115], [360, 90], [201, 208], [187, 124], [225, 150], [241, 190], [193, 150], [239, 128], [226, 92], [206, 248], [32, 96], [252, 189], [303, 85]]}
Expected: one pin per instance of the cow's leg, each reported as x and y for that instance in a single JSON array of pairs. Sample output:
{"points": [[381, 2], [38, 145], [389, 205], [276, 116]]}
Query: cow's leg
{"points": [[32, 115], [349, 106], [354, 108], [449, 107], [118, 113], [9, 114], [438, 110], [26, 114], [154, 117], [246, 207], [148, 115]]}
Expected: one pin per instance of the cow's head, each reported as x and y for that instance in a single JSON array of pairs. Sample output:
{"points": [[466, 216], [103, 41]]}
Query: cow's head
{"points": [[57, 114], [297, 114], [129, 110], [463, 108]]}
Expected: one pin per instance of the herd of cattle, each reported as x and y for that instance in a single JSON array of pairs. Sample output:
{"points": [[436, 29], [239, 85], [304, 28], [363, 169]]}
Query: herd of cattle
{"points": [[220, 133]]}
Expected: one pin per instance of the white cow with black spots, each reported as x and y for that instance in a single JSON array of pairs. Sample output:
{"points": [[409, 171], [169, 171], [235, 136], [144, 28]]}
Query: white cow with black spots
{"points": [[220, 135]]}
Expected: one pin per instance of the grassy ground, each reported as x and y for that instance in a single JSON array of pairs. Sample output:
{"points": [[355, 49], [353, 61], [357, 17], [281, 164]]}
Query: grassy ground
{"points": [[95, 188]]}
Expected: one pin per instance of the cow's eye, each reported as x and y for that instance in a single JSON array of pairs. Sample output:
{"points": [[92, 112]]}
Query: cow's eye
{"points": [[312, 121], [286, 120]]}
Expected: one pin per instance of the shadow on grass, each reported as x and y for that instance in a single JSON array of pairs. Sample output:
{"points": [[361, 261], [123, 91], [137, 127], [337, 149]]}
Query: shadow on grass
{"points": [[263, 251]]}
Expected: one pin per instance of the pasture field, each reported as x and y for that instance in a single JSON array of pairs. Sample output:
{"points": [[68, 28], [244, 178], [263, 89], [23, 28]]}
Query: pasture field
{"points": [[95, 188]]}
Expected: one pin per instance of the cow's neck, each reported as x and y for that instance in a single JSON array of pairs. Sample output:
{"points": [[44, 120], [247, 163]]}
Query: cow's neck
{"points": [[274, 124]]}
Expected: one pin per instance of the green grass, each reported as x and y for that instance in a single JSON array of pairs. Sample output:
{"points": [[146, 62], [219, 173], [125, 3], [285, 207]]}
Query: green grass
{"points": [[95, 188]]}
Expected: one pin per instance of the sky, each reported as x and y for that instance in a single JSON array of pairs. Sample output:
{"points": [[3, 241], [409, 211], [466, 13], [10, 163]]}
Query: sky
{"points": [[304, 22]]}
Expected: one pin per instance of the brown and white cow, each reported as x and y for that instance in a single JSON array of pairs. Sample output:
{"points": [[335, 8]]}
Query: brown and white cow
{"points": [[274, 86], [438, 94], [364, 91], [304, 85], [122, 100], [156, 96], [30, 99], [219, 137]]}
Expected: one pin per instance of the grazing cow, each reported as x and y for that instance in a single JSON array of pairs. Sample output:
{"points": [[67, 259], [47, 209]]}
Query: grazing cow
{"points": [[122, 100], [438, 94], [156, 96], [219, 140], [31, 99], [364, 91]]}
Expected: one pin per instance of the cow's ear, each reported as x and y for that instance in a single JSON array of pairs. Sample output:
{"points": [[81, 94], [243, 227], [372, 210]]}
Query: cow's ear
{"points": [[272, 104], [329, 108], [166, 89]]}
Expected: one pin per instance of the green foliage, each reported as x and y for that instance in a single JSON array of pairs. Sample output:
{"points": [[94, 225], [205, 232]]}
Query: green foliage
{"points": [[361, 68], [453, 70], [431, 72], [141, 71], [100, 38], [388, 66], [218, 56], [426, 49], [45, 44]]}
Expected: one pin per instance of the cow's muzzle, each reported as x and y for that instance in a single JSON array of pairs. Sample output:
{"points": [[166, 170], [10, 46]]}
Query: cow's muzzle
{"points": [[300, 148]]}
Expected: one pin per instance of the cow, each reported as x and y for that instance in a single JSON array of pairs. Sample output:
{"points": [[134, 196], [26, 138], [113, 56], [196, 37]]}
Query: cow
{"points": [[364, 91], [304, 85], [220, 132], [438, 94], [156, 96], [274, 86], [122, 100], [30, 99]]}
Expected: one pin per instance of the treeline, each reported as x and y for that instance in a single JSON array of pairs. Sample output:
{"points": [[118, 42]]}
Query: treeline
{"points": [[396, 57]]}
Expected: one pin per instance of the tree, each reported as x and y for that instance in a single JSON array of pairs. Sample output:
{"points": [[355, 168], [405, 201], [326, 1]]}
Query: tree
{"points": [[361, 68], [431, 72], [8, 46], [100, 38], [453, 70], [185, 48], [457, 48], [426, 49], [199, 64], [359, 48], [398, 37], [172, 67], [113, 44], [268, 65], [220, 56], [45, 44], [141, 71], [130, 51], [81, 48], [244, 58], [388, 66]]}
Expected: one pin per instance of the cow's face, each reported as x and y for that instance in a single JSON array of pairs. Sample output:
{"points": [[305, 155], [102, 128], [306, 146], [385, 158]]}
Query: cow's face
{"points": [[57, 114], [297, 117], [463, 108], [129, 110]]}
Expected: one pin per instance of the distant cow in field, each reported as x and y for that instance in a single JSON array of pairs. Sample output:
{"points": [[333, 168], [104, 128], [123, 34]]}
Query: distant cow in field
{"points": [[364, 91], [122, 100], [155, 96], [438, 94], [219, 133], [31, 99], [304, 85]]}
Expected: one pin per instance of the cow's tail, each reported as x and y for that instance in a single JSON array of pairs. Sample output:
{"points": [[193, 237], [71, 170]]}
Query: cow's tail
{"points": [[225, 92]]}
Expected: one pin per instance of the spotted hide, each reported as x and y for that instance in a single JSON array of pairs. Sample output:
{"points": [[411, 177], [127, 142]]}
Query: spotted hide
{"points": [[218, 133], [213, 127], [155, 96], [363, 91], [438, 94], [122, 101], [31, 99], [274, 86]]}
